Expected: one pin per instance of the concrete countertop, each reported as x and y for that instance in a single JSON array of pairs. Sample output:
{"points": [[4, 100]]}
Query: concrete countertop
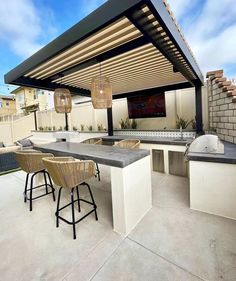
{"points": [[228, 157], [102, 154], [154, 140]]}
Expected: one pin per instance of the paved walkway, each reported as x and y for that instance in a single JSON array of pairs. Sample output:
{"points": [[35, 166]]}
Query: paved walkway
{"points": [[171, 243]]}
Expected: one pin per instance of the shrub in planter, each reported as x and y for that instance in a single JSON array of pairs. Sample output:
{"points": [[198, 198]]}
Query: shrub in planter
{"points": [[181, 122], [90, 128], [82, 127]]}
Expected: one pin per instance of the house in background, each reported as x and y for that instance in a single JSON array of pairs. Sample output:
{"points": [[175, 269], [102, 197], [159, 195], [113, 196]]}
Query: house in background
{"points": [[7, 105], [30, 97]]}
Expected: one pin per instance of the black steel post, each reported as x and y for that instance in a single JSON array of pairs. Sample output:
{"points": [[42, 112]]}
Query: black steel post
{"points": [[110, 121], [198, 105], [66, 118], [35, 121]]}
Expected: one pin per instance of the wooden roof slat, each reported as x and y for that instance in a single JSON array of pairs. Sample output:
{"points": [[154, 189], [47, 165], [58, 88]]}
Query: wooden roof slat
{"points": [[133, 39], [125, 72], [91, 51], [119, 68]]}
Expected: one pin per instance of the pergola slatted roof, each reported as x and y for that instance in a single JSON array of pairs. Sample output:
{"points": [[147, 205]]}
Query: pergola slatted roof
{"points": [[137, 43]]}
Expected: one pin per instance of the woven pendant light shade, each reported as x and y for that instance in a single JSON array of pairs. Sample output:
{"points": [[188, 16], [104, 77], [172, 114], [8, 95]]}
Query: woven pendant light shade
{"points": [[101, 92], [62, 100]]}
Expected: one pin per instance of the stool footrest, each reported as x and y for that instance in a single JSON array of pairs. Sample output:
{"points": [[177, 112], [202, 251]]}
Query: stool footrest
{"points": [[70, 222], [39, 196], [72, 203]]}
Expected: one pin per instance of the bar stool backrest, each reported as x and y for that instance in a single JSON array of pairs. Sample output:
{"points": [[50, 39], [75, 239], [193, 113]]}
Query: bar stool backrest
{"points": [[93, 141], [129, 143], [69, 172], [31, 161]]}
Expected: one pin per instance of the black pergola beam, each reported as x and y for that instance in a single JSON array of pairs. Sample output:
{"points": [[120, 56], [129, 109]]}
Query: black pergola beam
{"points": [[108, 13], [110, 122], [136, 43], [48, 85], [198, 104], [158, 45], [152, 91], [160, 12]]}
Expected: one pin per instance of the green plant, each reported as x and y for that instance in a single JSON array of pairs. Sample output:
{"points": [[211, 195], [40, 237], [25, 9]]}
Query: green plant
{"points": [[134, 124], [45, 128], [90, 128], [60, 128], [75, 128], [82, 127], [49, 128], [100, 127], [182, 123], [40, 128], [54, 128], [122, 124], [128, 123]]}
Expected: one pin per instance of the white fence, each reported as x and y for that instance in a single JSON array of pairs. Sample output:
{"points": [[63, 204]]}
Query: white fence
{"points": [[13, 130]]}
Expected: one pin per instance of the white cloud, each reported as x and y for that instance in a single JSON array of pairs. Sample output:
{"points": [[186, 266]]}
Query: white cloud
{"points": [[20, 26], [212, 33]]}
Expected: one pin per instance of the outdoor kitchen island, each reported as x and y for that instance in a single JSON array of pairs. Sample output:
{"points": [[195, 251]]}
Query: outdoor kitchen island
{"points": [[130, 178], [213, 181], [166, 153]]}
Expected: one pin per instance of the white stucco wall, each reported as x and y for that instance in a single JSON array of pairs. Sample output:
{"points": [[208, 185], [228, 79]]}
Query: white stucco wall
{"points": [[181, 102]]}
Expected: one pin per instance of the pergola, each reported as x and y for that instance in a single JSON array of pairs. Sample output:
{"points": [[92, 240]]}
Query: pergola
{"points": [[136, 42]]}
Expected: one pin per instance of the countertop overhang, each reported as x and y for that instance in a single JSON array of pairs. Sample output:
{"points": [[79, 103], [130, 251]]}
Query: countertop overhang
{"points": [[229, 156], [151, 140], [102, 154]]}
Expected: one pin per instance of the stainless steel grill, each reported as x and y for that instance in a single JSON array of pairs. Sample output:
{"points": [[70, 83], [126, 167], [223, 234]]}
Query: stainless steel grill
{"points": [[207, 144]]}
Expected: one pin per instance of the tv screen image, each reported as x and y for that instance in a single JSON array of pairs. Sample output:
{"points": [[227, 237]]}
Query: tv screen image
{"points": [[147, 106]]}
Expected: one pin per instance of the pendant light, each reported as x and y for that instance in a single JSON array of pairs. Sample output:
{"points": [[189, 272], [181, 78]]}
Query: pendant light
{"points": [[101, 91], [62, 100]]}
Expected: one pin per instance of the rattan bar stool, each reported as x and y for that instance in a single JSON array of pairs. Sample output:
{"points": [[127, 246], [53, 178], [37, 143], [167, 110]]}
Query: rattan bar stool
{"points": [[128, 143], [94, 141], [31, 162], [71, 173]]}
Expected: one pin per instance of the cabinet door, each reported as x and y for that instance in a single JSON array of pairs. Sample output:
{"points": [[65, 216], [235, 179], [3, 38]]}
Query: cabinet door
{"points": [[177, 164], [158, 160]]}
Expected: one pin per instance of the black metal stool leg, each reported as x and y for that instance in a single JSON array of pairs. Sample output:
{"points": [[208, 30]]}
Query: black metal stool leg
{"points": [[45, 179], [73, 212], [31, 192], [57, 211], [98, 171], [77, 190], [26, 184], [95, 206], [53, 189]]}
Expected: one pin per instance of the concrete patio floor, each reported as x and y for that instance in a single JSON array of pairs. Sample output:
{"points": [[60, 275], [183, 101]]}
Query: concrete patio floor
{"points": [[172, 242]]}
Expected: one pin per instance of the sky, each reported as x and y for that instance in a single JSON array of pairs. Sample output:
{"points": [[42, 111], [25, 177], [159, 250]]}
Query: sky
{"points": [[209, 27]]}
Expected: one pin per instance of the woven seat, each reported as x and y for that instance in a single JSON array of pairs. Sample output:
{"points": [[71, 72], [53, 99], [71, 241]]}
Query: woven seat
{"points": [[31, 162], [130, 143], [94, 141], [71, 173]]}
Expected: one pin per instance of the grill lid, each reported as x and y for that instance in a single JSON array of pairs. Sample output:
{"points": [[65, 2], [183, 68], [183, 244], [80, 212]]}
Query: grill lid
{"points": [[207, 144]]}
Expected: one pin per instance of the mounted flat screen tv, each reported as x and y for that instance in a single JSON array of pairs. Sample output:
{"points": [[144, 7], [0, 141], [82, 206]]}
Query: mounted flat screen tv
{"points": [[147, 106]]}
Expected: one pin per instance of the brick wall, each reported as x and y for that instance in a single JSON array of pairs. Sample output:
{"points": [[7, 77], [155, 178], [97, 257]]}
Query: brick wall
{"points": [[222, 105]]}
